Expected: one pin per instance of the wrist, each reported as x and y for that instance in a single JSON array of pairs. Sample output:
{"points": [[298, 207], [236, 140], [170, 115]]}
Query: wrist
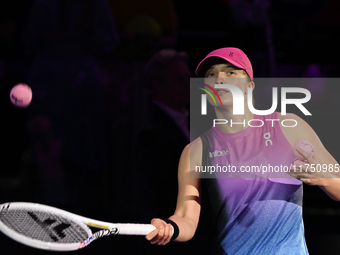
{"points": [[175, 228], [325, 183]]}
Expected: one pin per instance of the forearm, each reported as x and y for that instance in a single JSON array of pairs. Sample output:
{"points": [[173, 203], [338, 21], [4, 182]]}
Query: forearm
{"points": [[188, 207], [331, 186]]}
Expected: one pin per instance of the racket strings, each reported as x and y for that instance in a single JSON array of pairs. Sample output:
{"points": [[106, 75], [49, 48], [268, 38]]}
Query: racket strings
{"points": [[44, 226]]}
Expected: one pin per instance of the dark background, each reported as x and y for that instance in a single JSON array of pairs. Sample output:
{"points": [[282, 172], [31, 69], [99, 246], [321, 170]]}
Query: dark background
{"points": [[102, 118]]}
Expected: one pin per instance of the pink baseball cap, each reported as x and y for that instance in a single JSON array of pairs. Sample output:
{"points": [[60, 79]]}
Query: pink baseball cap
{"points": [[234, 56]]}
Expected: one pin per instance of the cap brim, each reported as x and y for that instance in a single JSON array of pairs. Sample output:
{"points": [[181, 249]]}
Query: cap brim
{"points": [[207, 62]]}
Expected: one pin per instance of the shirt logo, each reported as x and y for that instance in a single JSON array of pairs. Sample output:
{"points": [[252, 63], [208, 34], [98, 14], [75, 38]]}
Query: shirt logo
{"points": [[217, 153], [267, 137]]}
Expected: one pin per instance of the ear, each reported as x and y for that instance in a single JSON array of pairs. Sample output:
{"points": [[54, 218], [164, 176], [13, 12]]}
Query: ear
{"points": [[251, 85]]}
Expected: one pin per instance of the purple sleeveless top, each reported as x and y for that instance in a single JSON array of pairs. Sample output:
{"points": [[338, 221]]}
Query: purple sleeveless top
{"points": [[256, 205]]}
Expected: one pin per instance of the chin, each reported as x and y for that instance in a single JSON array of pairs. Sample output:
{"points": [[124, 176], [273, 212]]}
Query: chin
{"points": [[224, 107]]}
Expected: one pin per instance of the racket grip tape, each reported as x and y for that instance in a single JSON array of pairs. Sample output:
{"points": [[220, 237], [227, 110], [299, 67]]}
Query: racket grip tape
{"points": [[135, 229]]}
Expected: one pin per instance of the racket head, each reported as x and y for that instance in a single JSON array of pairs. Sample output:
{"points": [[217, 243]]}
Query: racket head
{"points": [[43, 227]]}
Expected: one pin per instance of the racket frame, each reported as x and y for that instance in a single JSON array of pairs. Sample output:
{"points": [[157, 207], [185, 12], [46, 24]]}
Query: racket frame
{"points": [[83, 222]]}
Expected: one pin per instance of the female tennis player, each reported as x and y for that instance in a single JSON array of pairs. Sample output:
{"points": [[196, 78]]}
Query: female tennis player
{"points": [[252, 215]]}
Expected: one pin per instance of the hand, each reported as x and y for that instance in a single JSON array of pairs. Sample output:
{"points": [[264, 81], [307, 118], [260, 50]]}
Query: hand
{"points": [[311, 171], [162, 234]]}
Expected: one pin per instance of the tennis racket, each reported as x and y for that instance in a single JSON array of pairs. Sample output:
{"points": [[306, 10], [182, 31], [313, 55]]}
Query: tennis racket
{"points": [[49, 228]]}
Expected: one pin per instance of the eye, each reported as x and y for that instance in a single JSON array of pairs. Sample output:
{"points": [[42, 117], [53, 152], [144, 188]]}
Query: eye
{"points": [[210, 74], [231, 73]]}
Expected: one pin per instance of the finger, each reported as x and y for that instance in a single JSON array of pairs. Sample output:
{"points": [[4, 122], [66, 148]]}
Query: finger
{"points": [[171, 232], [302, 176], [305, 180], [305, 154], [156, 222], [297, 174], [296, 171], [167, 231], [158, 238], [298, 166], [165, 234], [298, 162], [152, 234]]}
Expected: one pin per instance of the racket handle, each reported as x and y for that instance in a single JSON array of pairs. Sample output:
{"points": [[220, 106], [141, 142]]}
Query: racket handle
{"points": [[135, 229]]}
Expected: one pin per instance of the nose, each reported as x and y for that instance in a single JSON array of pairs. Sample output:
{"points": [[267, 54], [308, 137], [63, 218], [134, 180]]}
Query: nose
{"points": [[220, 78]]}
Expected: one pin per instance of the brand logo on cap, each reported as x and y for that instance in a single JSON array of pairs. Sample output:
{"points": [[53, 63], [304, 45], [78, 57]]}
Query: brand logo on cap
{"points": [[231, 54]]}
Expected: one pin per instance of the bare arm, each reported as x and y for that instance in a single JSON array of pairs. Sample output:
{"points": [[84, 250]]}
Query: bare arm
{"points": [[329, 181], [188, 207]]}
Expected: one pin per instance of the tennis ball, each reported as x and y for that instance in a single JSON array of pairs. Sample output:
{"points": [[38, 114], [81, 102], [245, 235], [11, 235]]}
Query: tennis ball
{"points": [[21, 95], [306, 146], [299, 162]]}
